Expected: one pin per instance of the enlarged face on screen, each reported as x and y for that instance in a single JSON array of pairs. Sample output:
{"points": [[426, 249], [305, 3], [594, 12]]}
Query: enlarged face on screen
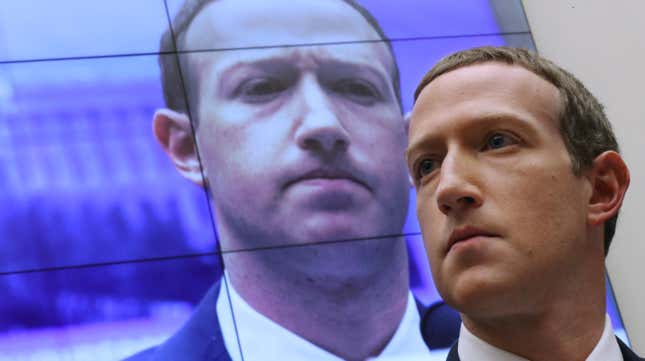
{"points": [[301, 143], [503, 215]]}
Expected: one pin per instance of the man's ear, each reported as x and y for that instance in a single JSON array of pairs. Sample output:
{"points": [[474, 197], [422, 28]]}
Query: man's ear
{"points": [[173, 131], [610, 180]]}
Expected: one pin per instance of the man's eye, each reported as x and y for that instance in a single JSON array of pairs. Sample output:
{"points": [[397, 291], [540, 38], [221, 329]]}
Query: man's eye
{"points": [[425, 167], [357, 90], [499, 140], [261, 90]]}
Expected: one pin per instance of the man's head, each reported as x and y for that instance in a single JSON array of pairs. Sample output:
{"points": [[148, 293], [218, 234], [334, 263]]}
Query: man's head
{"points": [[518, 178], [298, 143], [583, 124]]}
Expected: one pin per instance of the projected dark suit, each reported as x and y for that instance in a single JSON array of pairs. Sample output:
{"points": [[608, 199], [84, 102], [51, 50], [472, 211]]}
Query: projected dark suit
{"points": [[201, 337]]}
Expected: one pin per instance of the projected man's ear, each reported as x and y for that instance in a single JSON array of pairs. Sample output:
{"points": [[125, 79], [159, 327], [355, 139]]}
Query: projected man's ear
{"points": [[173, 131]]}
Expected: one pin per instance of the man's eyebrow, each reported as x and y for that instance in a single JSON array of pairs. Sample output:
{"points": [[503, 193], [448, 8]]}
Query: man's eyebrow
{"points": [[232, 74], [273, 64], [516, 120], [353, 66], [296, 60], [498, 118], [375, 68], [336, 68]]}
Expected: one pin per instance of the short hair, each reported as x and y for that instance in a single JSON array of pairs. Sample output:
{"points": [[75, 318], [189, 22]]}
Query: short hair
{"points": [[171, 80], [582, 121]]}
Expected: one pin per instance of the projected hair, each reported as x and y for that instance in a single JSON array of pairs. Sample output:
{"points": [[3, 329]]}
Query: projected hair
{"points": [[171, 80], [583, 123]]}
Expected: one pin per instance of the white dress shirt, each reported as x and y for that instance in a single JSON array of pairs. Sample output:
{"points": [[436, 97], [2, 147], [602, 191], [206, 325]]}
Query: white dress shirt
{"points": [[472, 348], [262, 339]]}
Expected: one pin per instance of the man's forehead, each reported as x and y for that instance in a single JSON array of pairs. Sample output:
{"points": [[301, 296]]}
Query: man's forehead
{"points": [[505, 83], [485, 92], [245, 31], [229, 24], [306, 58]]}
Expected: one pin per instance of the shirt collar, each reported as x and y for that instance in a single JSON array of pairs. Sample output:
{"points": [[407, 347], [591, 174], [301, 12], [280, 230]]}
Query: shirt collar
{"points": [[262, 339], [471, 347]]}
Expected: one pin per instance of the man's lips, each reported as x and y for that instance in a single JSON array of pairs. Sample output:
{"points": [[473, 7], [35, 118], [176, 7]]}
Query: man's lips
{"points": [[465, 233], [326, 174]]}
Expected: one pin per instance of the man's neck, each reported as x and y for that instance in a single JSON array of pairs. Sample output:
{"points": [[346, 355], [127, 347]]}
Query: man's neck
{"points": [[564, 330], [351, 315]]}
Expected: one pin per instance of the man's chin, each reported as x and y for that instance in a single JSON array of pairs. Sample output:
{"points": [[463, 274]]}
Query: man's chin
{"points": [[478, 292], [325, 232], [344, 256], [341, 226]]}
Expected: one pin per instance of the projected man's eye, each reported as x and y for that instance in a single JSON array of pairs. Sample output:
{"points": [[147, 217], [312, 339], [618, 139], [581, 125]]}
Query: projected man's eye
{"points": [[261, 90], [357, 90]]}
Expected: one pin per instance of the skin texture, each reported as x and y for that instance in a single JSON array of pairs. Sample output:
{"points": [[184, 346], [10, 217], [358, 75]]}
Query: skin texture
{"points": [[300, 145], [488, 160]]}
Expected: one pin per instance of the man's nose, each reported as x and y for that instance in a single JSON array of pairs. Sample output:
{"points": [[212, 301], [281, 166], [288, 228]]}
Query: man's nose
{"points": [[458, 189], [319, 127]]}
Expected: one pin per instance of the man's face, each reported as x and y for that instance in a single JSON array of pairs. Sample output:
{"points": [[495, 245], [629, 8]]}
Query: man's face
{"points": [[503, 216], [303, 143]]}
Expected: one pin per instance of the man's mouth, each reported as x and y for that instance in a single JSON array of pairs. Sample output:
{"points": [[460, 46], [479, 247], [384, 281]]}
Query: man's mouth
{"points": [[467, 233], [326, 176]]}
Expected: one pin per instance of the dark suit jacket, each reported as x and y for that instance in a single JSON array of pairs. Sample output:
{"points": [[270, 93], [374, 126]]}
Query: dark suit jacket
{"points": [[200, 339], [628, 355]]}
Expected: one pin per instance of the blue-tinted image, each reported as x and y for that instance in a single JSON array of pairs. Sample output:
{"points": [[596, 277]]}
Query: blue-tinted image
{"points": [[103, 312]]}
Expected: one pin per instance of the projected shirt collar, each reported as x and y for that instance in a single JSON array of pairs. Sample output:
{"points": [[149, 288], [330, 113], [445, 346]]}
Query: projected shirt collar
{"points": [[263, 339], [472, 348]]}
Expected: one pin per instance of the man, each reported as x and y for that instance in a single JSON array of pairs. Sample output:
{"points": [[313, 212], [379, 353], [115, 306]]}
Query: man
{"points": [[519, 184], [301, 149]]}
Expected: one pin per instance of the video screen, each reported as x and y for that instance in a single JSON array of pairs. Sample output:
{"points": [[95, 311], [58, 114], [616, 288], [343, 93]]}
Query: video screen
{"points": [[184, 179]]}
